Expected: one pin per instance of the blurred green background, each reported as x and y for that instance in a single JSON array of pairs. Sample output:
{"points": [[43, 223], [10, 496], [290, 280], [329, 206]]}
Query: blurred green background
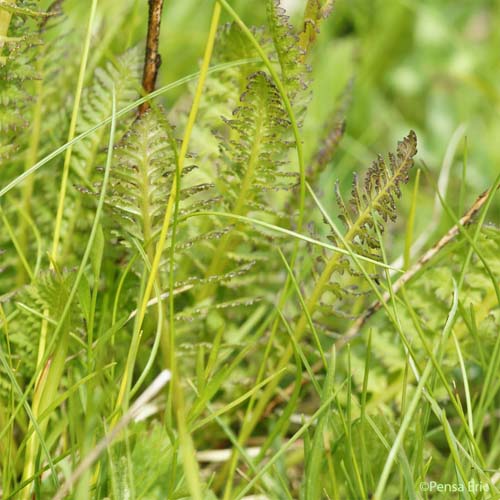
{"points": [[432, 66]]}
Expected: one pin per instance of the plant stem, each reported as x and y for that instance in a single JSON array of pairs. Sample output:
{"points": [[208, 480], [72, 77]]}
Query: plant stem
{"points": [[127, 376], [31, 158], [152, 61], [227, 241], [46, 388], [72, 131]]}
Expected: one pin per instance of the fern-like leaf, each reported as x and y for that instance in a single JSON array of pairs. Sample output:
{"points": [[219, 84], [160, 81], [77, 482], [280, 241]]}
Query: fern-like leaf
{"points": [[260, 131], [124, 75], [290, 55], [372, 202], [48, 293], [223, 89], [253, 160], [141, 180], [376, 196], [17, 37], [141, 177]]}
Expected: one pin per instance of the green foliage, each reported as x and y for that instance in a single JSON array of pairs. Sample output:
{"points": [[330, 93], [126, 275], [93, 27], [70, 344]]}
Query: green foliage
{"points": [[431, 292], [243, 313], [288, 51], [47, 296], [124, 76], [259, 133], [225, 88], [141, 178], [18, 37], [372, 203]]}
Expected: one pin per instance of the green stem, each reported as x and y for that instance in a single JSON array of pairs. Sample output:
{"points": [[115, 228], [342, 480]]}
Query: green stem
{"points": [[31, 158], [49, 379], [228, 241], [127, 376], [72, 132]]}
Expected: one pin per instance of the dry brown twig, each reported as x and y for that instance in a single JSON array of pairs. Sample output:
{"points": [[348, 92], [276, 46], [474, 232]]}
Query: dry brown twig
{"points": [[152, 60]]}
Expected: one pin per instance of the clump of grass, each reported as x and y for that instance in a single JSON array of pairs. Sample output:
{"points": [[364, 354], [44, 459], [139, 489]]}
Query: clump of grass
{"points": [[181, 315]]}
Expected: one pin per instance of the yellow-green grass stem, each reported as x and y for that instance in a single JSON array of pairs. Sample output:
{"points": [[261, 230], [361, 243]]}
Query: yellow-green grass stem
{"points": [[127, 376], [50, 376], [72, 131], [286, 447], [30, 159], [64, 182], [127, 109], [190, 464], [17, 246]]}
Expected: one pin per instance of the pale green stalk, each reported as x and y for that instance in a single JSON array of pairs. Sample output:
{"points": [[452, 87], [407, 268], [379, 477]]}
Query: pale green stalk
{"points": [[127, 109], [72, 131], [31, 157], [190, 465], [49, 379]]}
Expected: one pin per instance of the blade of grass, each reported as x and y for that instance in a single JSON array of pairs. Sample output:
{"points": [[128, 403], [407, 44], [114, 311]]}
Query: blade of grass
{"points": [[288, 232], [304, 308], [46, 392], [313, 483], [15, 242], [72, 130], [156, 386], [324, 406], [127, 109], [407, 420], [411, 223]]}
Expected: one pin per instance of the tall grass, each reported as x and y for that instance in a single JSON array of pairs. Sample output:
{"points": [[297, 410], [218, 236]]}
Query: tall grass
{"points": [[119, 379]]}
